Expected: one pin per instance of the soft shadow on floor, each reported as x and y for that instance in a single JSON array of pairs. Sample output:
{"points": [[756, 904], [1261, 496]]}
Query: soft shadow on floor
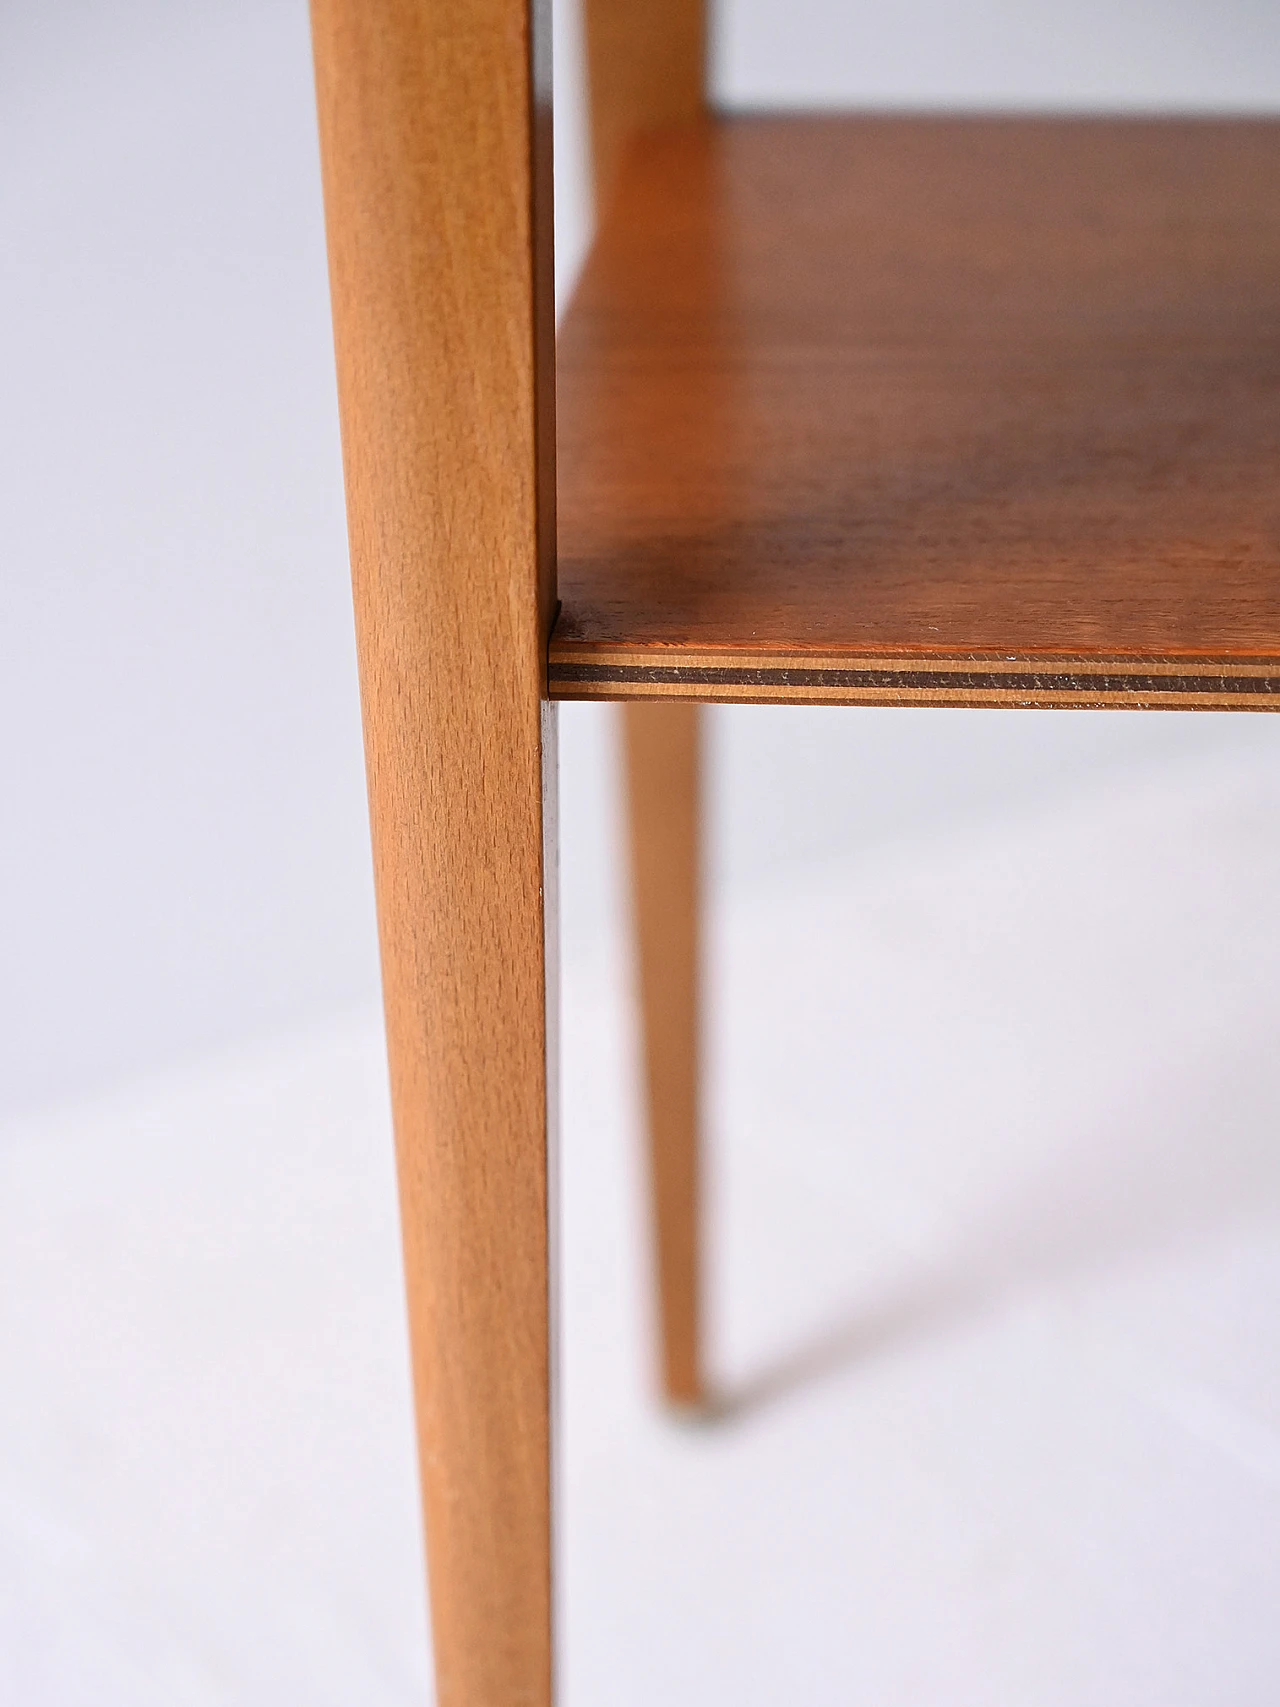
{"points": [[1165, 1180]]}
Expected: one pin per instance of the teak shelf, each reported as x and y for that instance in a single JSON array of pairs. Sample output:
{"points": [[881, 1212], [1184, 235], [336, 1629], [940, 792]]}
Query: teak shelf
{"points": [[927, 410]]}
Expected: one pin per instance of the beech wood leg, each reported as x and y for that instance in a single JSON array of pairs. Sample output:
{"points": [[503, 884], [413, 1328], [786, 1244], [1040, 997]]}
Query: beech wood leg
{"points": [[433, 168], [662, 757]]}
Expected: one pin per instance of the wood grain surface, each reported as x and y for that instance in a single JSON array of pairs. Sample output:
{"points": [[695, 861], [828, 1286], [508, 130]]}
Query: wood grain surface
{"points": [[928, 410], [429, 139]]}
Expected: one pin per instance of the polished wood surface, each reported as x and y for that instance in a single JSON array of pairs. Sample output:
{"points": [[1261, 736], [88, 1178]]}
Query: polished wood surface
{"points": [[662, 754], [428, 145], [928, 410]]}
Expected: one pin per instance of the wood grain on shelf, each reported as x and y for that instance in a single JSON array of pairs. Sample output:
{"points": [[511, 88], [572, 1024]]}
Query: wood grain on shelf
{"points": [[928, 410], [430, 154]]}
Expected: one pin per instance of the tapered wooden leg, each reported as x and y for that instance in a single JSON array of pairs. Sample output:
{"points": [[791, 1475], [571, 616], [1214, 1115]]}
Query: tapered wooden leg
{"points": [[433, 170], [662, 751]]}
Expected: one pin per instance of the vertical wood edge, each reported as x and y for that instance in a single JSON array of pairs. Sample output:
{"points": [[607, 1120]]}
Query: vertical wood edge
{"points": [[542, 233]]}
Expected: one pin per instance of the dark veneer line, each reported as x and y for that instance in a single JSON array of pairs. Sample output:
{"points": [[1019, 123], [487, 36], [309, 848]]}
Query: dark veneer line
{"points": [[962, 681]]}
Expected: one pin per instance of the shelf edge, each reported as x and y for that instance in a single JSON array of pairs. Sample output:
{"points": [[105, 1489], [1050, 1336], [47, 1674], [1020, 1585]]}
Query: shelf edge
{"points": [[591, 672]]}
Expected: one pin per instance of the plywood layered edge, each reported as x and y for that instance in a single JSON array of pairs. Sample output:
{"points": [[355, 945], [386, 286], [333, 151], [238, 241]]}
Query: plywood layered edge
{"points": [[582, 672]]}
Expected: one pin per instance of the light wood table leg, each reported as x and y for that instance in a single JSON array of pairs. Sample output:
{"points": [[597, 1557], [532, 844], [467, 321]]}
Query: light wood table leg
{"points": [[646, 67], [433, 173], [662, 752]]}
